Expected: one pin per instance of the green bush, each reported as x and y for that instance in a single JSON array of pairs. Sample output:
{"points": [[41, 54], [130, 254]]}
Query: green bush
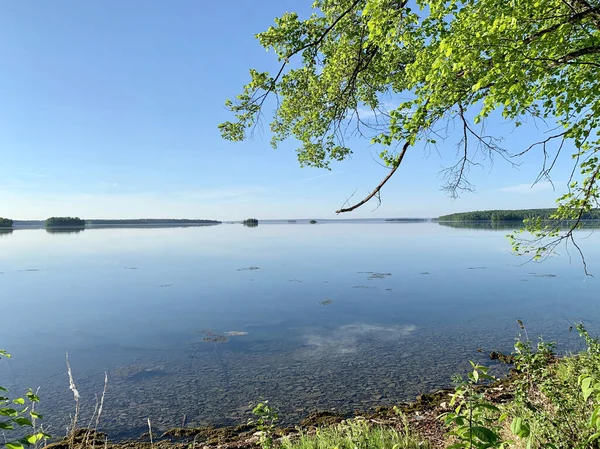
{"points": [[555, 403]]}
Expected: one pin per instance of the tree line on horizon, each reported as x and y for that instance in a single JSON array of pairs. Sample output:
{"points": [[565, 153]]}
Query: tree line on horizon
{"points": [[79, 222], [142, 221], [6, 223], [512, 215]]}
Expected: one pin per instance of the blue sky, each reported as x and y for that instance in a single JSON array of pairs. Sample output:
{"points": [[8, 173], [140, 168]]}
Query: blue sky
{"points": [[110, 110]]}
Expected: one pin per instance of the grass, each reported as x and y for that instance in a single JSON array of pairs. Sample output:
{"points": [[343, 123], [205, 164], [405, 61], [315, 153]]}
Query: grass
{"points": [[355, 434]]}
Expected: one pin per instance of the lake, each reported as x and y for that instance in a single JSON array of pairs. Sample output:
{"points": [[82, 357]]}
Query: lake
{"points": [[191, 324]]}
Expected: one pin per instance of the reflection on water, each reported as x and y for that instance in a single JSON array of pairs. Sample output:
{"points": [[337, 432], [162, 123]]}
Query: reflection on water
{"points": [[64, 230], [486, 225], [201, 321], [6, 231], [514, 225]]}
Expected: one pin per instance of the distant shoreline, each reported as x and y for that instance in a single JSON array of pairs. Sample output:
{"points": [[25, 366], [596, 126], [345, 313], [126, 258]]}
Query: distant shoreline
{"points": [[125, 223]]}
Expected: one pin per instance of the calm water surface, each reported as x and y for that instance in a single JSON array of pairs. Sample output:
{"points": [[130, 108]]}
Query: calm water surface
{"points": [[197, 322]]}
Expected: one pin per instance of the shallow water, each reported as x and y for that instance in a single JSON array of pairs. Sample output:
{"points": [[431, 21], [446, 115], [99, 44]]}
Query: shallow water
{"points": [[191, 324]]}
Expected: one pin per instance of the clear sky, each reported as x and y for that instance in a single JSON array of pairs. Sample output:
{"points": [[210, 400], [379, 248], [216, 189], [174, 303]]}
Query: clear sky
{"points": [[109, 109]]}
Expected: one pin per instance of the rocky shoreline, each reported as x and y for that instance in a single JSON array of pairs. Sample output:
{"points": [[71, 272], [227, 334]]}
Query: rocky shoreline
{"points": [[422, 415]]}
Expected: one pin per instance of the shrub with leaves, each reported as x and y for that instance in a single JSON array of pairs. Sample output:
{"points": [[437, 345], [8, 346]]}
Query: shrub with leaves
{"points": [[19, 413], [474, 421], [266, 417]]}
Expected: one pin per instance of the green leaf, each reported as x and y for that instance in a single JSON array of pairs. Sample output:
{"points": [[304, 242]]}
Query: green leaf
{"points": [[32, 439], [484, 434], [32, 396], [36, 415], [22, 421], [19, 401], [6, 426], [487, 406], [14, 445], [8, 412]]}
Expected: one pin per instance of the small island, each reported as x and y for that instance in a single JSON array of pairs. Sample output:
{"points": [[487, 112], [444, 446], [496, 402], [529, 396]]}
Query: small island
{"points": [[313, 222], [65, 222], [250, 222], [6, 223]]}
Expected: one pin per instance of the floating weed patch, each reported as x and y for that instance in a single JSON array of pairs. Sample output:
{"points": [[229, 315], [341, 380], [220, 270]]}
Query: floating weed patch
{"points": [[252, 268], [140, 372], [378, 276], [326, 302], [236, 333], [216, 339]]}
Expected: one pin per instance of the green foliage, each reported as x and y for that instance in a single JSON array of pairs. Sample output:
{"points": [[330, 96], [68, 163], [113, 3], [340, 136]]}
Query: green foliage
{"points": [[550, 407], [65, 222], [266, 417], [356, 434], [6, 223], [251, 222], [19, 412], [474, 421], [555, 404], [445, 65]]}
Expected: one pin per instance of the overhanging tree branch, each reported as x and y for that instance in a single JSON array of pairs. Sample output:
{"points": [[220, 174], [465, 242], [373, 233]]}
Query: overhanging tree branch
{"points": [[377, 189]]}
